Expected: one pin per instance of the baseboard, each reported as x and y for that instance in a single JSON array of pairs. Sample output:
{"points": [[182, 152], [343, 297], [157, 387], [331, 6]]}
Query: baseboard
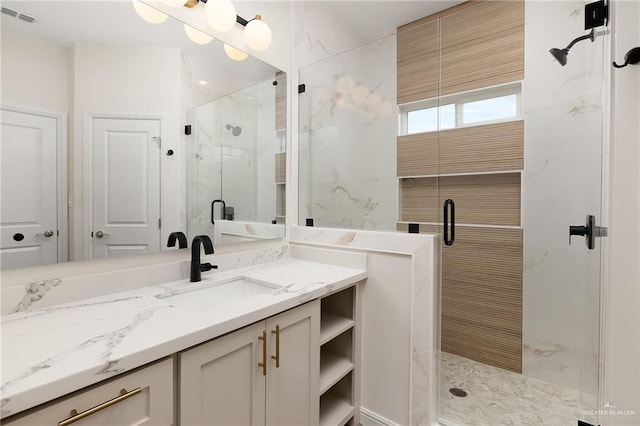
{"points": [[369, 418]]}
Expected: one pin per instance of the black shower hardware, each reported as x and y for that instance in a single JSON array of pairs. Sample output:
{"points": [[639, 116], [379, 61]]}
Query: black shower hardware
{"points": [[561, 54], [235, 130], [631, 58], [224, 209], [590, 231], [180, 237], [449, 222]]}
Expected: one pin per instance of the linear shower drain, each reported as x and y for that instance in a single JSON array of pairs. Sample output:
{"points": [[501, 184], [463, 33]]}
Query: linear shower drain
{"points": [[461, 393]]}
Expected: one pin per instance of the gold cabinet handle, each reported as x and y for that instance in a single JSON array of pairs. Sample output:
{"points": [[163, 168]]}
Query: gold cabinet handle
{"points": [[263, 364], [75, 416], [277, 355]]}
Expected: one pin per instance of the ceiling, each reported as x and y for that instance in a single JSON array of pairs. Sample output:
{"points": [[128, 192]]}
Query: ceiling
{"points": [[115, 21], [372, 19]]}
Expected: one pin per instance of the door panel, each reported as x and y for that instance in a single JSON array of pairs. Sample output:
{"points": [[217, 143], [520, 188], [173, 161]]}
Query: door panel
{"points": [[29, 190], [221, 382], [126, 187], [292, 381]]}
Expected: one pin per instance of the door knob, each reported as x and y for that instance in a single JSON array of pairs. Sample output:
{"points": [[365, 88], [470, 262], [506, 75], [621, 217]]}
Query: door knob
{"points": [[100, 234], [590, 231], [48, 233]]}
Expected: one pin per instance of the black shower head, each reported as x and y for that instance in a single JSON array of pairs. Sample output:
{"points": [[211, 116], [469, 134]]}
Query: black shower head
{"points": [[235, 130], [561, 54]]}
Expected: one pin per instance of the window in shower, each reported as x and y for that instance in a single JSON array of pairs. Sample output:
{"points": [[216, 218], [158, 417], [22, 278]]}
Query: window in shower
{"points": [[491, 105]]}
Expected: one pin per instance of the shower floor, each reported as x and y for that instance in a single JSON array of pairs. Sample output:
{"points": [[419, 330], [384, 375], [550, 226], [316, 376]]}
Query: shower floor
{"points": [[500, 397]]}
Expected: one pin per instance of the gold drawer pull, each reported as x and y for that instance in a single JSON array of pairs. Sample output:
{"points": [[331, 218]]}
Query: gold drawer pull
{"points": [[75, 416], [263, 364], [276, 357]]}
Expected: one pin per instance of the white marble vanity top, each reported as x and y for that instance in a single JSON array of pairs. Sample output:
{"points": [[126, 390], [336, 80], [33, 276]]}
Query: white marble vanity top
{"points": [[52, 351]]}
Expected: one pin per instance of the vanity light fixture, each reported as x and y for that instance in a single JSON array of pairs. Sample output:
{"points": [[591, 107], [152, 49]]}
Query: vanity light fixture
{"points": [[235, 54], [197, 36], [220, 15], [257, 34], [148, 13]]}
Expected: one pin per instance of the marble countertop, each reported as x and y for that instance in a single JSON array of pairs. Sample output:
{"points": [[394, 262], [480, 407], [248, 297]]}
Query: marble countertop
{"points": [[52, 351]]}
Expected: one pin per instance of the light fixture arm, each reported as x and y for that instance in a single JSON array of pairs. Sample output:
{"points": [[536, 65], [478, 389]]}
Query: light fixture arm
{"points": [[239, 19]]}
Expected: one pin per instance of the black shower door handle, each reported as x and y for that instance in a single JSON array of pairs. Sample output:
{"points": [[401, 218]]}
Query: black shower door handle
{"points": [[449, 222]]}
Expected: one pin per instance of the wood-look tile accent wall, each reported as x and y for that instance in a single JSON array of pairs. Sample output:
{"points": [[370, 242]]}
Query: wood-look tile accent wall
{"points": [[281, 170], [488, 148], [474, 45], [480, 199], [480, 43], [417, 61], [482, 295]]}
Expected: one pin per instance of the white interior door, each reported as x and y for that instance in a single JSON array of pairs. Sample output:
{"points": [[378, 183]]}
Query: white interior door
{"points": [[125, 187], [29, 212]]}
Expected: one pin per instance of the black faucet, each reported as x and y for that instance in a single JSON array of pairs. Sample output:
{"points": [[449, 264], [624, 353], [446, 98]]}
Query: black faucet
{"points": [[178, 235], [196, 267], [224, 208]]}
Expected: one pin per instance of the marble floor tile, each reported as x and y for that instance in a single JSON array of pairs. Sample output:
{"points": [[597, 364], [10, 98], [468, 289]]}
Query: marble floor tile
{"points": [[500, 397]]}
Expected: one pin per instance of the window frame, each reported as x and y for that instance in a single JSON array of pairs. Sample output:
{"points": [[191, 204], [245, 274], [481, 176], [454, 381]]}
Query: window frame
{"points": [[458, 100]]}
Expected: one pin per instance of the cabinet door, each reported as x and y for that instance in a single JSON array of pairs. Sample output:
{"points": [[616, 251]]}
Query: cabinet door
{"points": [[292, 386], [152, 405], [221, 382]]}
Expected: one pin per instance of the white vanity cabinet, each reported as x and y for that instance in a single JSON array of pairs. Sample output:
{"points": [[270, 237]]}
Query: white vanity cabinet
{"points": [[142, 397], [265, 373]]}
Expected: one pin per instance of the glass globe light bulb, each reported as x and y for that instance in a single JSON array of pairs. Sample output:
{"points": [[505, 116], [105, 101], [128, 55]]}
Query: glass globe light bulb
{"points": [[235, 54], [257, 34], [148, 13], [220, 15], [197, 36]]}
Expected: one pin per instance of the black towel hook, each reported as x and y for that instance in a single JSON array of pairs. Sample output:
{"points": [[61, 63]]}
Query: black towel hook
{"points": [[631, 58]]}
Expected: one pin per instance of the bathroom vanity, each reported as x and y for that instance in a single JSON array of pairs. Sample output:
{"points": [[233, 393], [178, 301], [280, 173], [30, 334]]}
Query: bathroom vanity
{"points": [[273, 343]]}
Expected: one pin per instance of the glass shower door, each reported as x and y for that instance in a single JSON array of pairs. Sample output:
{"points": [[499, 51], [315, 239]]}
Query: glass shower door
{"points": [[520, 301]]}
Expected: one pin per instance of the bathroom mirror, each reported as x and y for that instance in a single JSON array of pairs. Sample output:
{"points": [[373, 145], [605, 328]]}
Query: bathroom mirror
{"points": [[79, 68]]}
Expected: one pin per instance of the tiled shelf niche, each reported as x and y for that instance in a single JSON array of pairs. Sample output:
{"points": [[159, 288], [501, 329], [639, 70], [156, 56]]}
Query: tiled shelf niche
{"points": [[339, 359]]}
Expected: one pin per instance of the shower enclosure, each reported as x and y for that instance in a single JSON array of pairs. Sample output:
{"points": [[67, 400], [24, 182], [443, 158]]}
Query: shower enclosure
{"points": [[230, 156], [455, 108]]}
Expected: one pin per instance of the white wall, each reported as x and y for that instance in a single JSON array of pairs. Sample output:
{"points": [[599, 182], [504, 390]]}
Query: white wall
{"points": [[35, 73], [622, 324], [128, 81]]}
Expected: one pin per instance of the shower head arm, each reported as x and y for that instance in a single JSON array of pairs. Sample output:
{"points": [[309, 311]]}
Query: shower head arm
{"points": [[591, 36]]}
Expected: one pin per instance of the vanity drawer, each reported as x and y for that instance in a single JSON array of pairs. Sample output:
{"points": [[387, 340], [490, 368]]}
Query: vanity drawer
{"points": [[143, 397]]}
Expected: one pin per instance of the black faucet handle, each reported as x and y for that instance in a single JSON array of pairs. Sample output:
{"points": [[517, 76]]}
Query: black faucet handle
{"points": [[204, 267]]}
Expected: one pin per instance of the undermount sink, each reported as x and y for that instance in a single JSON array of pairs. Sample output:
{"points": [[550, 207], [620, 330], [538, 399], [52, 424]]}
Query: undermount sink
{"points": [[218, 294]]}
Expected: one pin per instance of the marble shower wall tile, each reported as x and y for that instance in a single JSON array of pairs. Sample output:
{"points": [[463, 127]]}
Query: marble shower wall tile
{"points": [[563, 115], [347, 136]]}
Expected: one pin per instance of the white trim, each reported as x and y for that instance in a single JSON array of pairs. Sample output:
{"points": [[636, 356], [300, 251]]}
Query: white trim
{"points": [[469, 225], [500, 172], [62, 198], [370, 418], [87, 252]]}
